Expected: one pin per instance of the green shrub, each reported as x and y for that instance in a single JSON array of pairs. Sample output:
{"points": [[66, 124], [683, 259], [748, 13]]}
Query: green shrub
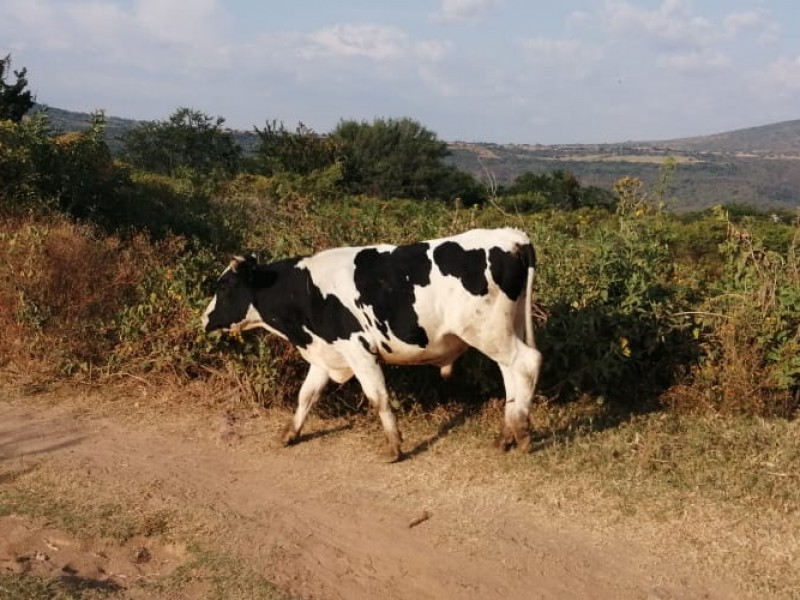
{"points": [[750, 328]]}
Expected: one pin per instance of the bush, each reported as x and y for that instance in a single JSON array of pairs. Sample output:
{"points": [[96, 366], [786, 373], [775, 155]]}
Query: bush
{"points": [[625, 312], [607, 284], [61, 282], [21, 145], [750, 328]]}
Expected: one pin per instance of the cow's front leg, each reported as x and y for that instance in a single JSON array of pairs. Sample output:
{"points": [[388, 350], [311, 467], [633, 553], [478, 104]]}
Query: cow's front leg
{"points": [[310, 391], [370, 376]]}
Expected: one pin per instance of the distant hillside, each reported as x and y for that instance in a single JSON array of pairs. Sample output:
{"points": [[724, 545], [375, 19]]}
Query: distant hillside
{"points": [[66, 120], [777, 139], [759, 166]]}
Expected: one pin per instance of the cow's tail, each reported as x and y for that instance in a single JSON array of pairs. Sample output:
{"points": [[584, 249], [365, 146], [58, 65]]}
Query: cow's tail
{"points": [[529, 257]]}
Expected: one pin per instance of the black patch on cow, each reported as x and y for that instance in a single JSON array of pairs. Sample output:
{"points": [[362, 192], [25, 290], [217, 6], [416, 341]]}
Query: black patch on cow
{"points": [[385, 281], [383, 328], [287, 299], [366, 345], [468, 266], [386, 347], [510, 269]]}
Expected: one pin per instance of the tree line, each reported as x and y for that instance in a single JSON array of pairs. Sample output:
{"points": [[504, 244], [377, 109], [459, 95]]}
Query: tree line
{"points": [[386, 158]]}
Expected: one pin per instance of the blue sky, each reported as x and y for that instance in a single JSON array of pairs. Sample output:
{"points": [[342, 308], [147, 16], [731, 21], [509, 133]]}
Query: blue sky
{"points": [[504, 71]]}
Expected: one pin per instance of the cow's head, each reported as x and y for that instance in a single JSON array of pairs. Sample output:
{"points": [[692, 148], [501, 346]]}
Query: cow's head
{"points": [[232, 303]]}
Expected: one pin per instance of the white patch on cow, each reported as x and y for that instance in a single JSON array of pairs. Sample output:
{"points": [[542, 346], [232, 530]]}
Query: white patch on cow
{"points": [[208, 311], [331, 356]]}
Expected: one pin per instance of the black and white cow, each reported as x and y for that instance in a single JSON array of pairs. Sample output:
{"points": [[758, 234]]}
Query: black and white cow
{"points": [[348, 309]]}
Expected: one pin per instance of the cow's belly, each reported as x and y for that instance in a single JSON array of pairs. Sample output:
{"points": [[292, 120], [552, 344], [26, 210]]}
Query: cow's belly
{"points": [[440, 351], [329, 357], [334, 357]]}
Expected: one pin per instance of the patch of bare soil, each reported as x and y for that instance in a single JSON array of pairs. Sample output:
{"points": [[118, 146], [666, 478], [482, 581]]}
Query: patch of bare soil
{"points": [[32, 548], [324, 518]]}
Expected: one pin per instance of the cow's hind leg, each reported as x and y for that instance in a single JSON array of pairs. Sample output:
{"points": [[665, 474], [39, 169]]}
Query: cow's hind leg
{"points": [[505, 439], [370, 376], [519, 376], [310, 391]]}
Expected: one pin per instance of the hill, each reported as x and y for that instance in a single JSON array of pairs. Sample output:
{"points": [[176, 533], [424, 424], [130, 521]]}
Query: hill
{"points": [[777, 139], [759, 166]]}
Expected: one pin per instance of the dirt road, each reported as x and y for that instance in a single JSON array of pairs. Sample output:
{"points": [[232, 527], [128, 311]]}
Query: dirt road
{"points": [[326, 519]]}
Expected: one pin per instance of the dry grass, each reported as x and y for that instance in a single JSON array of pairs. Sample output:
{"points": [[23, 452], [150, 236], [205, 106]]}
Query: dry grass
{"points": [[724, 492]]}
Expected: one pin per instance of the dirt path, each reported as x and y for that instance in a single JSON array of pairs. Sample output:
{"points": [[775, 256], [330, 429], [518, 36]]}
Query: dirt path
{"points": [[324, 519]]}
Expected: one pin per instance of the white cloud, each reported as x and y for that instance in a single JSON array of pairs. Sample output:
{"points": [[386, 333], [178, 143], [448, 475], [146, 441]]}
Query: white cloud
{"points": [[736, 22], [578, 17], [432, 51], [378, 43], [186, 22], [375, 42], [437, 83], [784, 74], [695, 61], [193, 29], [672, 22], [574, 55], [465, 10]]}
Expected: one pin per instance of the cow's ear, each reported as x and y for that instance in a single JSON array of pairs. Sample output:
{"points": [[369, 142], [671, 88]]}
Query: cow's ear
{"points": [[235, 262], [243, 263]]}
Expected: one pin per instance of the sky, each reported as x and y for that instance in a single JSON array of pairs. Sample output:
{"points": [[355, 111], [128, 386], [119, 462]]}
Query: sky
{"points": [[501, 71]]}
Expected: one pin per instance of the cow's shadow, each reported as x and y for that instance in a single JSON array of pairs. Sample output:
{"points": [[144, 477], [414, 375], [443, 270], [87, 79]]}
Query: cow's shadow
{"points": [[456, 420], [322, 432]]}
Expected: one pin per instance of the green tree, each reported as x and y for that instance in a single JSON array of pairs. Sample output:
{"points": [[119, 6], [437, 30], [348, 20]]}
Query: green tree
{"points": [[393, 158], [301, 152], [76, 170], [188, 141], [15, 100], [460, 188], [560, 189]]}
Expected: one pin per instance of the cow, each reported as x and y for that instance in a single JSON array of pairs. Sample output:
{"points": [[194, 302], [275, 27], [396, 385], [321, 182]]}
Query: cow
{"points": [[348, 309]]}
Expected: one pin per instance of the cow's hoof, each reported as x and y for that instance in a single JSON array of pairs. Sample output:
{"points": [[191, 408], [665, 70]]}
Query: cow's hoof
{"points": [[504, 439], [523, 443], [288, 436], [392, 452], [392, 455], [522, 436]]}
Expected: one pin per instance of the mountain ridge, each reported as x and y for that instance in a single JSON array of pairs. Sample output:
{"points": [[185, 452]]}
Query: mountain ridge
{"points": [[780, 138]]}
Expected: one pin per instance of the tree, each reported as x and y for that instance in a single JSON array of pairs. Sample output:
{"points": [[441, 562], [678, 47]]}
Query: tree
{"points": [[559, 189], [302, 151], [392, 158], [188, 140], [15, 100]]}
